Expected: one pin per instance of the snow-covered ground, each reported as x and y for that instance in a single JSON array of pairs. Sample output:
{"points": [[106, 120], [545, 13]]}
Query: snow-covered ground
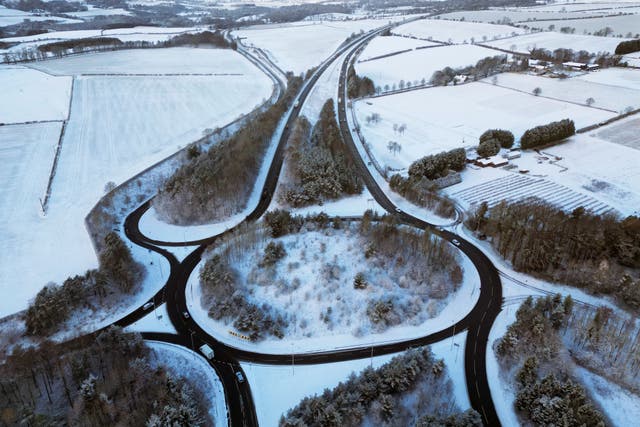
{"points": [[93, 11], [156, 61], [621, 406], [633, 59], [442, 118], [349, 325], [157, 320], [390, 44], [117, 127], [455, 32], [302, 45], [14, 16], [552, 40], [614, 89], [528, 16], [420, 64], [276, 389], [190, 365], [30, 95], [621, 25], [591, 172], [78, 34]]}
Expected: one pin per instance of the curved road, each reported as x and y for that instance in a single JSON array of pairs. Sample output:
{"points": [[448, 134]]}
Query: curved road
{"points": [[241, 410]]}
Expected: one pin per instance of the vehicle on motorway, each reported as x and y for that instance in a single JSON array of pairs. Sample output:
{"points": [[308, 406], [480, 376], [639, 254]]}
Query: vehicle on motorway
{"points": [[240, 377], [207, 351], [398, 210], [148, 305], [297, 104], [455, 242], [185, 314]]}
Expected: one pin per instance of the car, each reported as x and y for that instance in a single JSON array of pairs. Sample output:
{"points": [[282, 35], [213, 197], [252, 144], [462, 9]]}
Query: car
{"points": [[185, 314], [240, 377], [148, 305], [297, 104], [398, 210], [455, 242]]}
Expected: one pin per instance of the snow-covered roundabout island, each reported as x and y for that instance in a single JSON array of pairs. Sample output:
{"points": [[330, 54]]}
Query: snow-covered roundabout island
{"points": [[295, 285]]}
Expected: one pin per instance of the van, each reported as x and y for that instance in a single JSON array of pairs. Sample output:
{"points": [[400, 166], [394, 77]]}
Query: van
{"points": [[207, 351]]}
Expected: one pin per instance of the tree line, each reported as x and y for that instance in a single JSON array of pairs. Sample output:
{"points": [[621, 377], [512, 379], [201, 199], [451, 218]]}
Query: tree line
{"points": [[358, 87], [218, 182], [560, 55], [118, 273], [628, 46], [483, 68], [320, 163], [104, 380], [547, 134], [598, 253], [383, 397]]}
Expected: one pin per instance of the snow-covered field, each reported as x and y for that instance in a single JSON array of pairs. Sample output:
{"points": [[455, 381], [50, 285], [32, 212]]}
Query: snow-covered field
{"points": [[442, 118], [117, 127], [552, 40], [93, 11], [30, 95], [591, 172], [621, 25], [304, 299], [78, 34], [614, 89], [302, 45], [524, 15], [390, 44], [421, 64], [625, 132], [633, 60], [182, 362], [455, 32], [276, 389], [585, 5], [155, 61], [14, 16]]}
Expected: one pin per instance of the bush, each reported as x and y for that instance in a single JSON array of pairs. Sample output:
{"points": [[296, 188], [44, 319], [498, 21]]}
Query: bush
{"points": [[273, 252], [505, 137], [546, 134], [438, 165], [488, 148], [628, 46], [359, 282]]}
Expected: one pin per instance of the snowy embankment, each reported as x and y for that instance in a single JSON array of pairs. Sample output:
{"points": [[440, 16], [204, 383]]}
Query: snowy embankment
{"points": [[182, 362], [346, 323], [455, 32], [117, 127], [417, 66], [276, 389], [442, 118], [157, 320]]}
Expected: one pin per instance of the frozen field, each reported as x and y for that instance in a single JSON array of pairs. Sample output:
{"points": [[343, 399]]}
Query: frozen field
{"points": [[30, 95], [455, 32], [26, 155], [421, 64], [389, 44], [117, 127], [552, 40], [299, 46], [625, 132], [590, 172], [621, 25], [611, 89], [443, 118], [152, 61], [517, 15]]}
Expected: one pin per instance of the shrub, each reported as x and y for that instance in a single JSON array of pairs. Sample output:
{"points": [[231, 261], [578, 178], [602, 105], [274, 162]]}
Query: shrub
{"points": [[359, 282], [273, 252], [505, 137], [488, 148]]}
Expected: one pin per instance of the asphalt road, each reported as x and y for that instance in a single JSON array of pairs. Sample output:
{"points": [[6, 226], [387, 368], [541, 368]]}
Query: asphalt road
{"points": [[241, 409]]}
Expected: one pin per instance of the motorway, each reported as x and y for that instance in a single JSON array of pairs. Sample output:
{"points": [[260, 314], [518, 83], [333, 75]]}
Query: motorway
{"points": [[477, 322]]}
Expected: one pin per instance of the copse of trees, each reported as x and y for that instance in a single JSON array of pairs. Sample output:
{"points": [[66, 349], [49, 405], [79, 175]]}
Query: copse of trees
{"points": [[504, 137], [54, 6], [379, 397], [357, 86], [320, 163], [628, 46], [547, 134], [217, 183], [488, 147], [560, 55], [106, 380], [118, 273], [438, 165], [79, 44], [483, 68], [215, 38], [598, 253]]}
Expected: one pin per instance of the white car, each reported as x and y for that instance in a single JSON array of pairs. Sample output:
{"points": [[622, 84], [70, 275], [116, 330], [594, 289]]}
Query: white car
{"points": [[240, 377], [148, 305], [455, 242]]}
